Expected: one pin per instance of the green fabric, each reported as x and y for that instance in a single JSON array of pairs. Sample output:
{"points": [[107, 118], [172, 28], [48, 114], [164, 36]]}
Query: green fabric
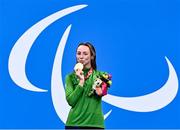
{"points": [[85, 110]]}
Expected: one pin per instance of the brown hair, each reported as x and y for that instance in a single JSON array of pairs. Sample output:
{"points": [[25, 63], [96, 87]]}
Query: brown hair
{"points": [[92, 51]]}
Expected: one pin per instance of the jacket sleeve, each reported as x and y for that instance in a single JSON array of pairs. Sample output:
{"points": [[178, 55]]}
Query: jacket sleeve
{"points": [[73, 93]]}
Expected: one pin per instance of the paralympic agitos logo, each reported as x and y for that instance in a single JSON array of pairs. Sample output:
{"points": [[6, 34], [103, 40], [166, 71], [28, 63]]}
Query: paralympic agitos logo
{"points": [[18, 56]]}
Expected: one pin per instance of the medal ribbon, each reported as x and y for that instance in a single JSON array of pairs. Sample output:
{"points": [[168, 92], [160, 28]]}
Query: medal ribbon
{"points": [[89, 73]]}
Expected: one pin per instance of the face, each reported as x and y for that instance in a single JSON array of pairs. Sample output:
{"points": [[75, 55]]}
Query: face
{"points": [[83, 56]]}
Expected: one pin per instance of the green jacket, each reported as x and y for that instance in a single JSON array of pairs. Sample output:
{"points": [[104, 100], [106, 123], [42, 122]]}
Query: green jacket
{"points": [[85, 110]]}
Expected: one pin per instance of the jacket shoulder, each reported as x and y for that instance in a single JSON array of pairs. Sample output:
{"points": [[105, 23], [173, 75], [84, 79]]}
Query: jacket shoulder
{"points": [[98, 72]]}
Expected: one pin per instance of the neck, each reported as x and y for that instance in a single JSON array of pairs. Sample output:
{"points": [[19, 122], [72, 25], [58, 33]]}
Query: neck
{"points": [[87, 67]]}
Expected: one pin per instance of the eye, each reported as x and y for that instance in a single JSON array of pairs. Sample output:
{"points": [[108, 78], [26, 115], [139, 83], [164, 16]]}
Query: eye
{"points": [[78, 53], [85, 53]]}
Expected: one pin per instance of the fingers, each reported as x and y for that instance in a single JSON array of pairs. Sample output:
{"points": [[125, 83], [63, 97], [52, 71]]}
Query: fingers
{"points": [[80, 74], [99, 91]]}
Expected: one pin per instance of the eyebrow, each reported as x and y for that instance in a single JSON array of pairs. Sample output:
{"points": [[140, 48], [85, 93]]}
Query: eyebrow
{"points": [[83, 51]]}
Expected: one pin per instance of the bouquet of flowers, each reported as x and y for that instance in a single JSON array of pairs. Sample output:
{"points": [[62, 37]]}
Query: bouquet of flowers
{"points": [[103, 81]]}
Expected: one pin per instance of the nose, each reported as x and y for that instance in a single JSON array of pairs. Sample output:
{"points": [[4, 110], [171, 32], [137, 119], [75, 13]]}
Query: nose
{"points": [[81, 56]]}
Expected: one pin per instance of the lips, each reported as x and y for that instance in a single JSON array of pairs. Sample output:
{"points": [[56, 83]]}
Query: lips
{"points": [[81, 61]]}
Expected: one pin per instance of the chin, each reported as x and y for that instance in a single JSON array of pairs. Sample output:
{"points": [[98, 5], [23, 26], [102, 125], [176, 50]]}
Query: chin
{"points": [[82, 63]]}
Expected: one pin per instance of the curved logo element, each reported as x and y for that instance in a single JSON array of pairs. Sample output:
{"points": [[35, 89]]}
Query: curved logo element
{"points": [[150, 102], [57, 88], [20, 51], [17, 59]]}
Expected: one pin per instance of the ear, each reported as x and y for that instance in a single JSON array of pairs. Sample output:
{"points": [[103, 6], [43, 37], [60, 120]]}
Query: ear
{"points": [[92, 57]]}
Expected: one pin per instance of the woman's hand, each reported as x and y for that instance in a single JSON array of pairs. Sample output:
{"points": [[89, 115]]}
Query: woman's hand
{"points": [[98, 91], [80, 75]]}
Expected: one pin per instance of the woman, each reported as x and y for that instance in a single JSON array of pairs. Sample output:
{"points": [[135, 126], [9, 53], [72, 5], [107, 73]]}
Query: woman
{"points": [[86, 110]]}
